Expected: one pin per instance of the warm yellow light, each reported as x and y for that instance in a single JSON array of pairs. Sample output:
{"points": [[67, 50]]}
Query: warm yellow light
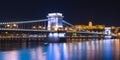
{"points": [[44, 28], [113, 27], [119, 34], [6, 32], [39, 27], [90, 24], [33, 27], [14, 24], [8, 25]]}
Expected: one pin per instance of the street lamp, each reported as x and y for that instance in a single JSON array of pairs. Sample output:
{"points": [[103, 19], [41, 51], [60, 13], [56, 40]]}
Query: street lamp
{"points": [[33, 27], [44, 28], [39, 27], [15, 26], [8, 25]]}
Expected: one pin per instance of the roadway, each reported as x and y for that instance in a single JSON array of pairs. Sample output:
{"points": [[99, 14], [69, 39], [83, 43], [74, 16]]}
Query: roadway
{"points": [[33, 30]]}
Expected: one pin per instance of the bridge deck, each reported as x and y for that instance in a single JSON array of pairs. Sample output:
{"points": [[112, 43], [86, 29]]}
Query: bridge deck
{"points": [[33, 30]]}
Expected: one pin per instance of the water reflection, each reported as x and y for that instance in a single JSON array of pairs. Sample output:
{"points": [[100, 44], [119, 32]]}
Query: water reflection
{"points": [[108, 49]]}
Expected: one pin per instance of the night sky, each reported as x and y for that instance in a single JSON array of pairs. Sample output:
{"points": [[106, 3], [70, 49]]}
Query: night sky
{"points": [[76, 12]]}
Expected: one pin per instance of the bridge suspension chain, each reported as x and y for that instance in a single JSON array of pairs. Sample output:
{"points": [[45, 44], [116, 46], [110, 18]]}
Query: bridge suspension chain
{"points": [[20, 22], [67, 23]]}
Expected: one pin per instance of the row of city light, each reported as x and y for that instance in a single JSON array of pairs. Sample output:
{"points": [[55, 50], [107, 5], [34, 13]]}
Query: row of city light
{"points": [[34, 27], [16, 26], [38, 27], [11, 26]]}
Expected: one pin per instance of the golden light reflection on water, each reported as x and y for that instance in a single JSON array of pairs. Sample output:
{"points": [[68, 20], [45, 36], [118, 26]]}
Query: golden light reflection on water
{"points": [[108, 49]]}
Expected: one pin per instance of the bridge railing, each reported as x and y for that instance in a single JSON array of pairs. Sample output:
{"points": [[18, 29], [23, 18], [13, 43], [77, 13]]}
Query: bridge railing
{"points": [[8, 29]]}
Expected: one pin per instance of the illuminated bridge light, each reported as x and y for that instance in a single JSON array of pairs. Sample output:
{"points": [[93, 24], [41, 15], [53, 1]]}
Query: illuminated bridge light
{"points": [[55, 34], [61, 34], [55, 14], [55, 21]]}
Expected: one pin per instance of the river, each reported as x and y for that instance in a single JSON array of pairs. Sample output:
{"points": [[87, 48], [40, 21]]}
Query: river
{"points": [[107, 49]]}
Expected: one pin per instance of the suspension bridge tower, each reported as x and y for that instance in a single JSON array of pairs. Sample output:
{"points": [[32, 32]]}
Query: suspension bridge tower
{"points": [[54, 21], [108, 32]]}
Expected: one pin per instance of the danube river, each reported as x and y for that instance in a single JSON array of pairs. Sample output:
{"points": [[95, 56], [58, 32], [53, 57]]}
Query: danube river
{"points": [[106, 49]]}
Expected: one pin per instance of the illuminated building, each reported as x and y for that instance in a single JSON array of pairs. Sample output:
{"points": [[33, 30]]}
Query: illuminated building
{"points": [[90, 27], [90, 24]]}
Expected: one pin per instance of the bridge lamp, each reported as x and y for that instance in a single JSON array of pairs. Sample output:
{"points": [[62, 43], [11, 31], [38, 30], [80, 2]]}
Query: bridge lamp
{"points": [[55, 34], [8, 25], [6, 32], [14, 25], [118, 34], [61, 34], [40, 27], [44, 28], [66, 28], [50, 34], [33, 27]]}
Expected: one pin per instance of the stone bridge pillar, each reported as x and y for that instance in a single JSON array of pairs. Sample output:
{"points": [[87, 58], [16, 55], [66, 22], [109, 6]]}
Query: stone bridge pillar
{"points": [[54, 21], [108, 30]]}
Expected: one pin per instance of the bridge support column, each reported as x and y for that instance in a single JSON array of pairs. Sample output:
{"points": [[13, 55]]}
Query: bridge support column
{"points": [[108, 32], [54, 21], [56, 37]]}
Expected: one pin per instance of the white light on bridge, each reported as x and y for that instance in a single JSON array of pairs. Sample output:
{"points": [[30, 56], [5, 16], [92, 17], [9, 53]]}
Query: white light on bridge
{"points": [[50, 34], [61, 34], [14, 24], [57, 35], [54, 14]]}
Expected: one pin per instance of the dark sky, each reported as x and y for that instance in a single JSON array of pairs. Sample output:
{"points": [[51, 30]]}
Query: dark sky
{"points": [[75, 11]]}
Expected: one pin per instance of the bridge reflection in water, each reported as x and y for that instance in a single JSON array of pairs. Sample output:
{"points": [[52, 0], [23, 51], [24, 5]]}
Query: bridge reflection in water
{"points": [[108, 49]]}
